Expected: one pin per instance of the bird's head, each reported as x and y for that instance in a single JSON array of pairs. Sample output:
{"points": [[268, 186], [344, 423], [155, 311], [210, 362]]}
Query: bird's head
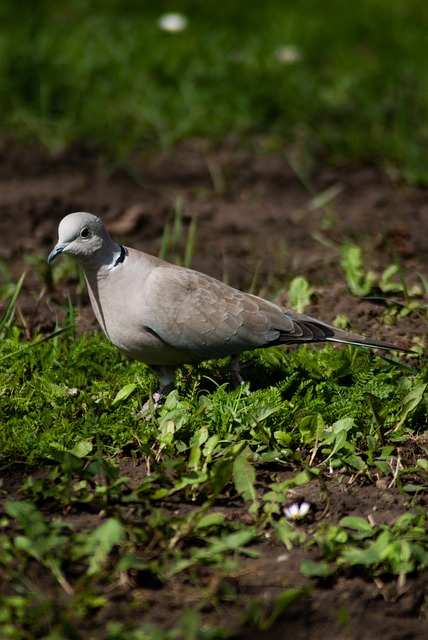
{"points": [[81, 235]]}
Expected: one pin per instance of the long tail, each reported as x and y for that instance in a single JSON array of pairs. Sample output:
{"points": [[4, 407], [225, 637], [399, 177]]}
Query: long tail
{"points": [[311, 330]]}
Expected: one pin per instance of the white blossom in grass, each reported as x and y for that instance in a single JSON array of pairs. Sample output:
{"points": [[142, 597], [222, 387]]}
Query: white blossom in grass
{"points": [[172, 22], [297, 510], [72, 391], [290, 54]]}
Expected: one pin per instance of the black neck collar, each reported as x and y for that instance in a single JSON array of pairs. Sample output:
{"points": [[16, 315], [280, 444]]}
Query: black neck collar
{"points": [[121, 257]]}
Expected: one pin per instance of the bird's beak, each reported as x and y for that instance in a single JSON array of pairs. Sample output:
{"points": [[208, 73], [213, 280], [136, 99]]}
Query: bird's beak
{"points": [[58, 248]]}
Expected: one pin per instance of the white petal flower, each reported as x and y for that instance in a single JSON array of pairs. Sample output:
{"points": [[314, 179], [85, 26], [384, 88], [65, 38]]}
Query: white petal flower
{"points": [[297, 510], [290, 54], [172, 22]]}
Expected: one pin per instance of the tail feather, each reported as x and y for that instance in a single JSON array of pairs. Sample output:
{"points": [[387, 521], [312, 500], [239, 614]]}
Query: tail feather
{"points": [[361, 341], [312, 330]]}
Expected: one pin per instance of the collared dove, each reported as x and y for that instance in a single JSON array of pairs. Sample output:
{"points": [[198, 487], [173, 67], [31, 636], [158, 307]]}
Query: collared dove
{"points": [[166, 316]]}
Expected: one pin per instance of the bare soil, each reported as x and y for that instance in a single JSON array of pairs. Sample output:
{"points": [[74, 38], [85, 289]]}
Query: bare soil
{"points": [[254, 216]]}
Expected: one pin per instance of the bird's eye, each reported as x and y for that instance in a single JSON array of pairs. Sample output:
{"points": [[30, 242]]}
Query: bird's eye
{"points": [[85, 233]]}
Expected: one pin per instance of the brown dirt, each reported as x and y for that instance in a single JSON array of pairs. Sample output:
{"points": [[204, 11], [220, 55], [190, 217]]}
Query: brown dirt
{"points": [[253, 216]]}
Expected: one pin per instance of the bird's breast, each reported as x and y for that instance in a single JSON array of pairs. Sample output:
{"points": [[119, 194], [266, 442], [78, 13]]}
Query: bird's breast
{"points": [[124, 317]]}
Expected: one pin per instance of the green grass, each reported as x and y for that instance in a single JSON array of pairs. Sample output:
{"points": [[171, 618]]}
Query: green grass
{"points": [[72, 407], [104, 74], [83, 390]]}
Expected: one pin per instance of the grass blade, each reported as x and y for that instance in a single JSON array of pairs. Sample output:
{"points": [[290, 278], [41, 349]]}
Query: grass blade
{"points": [[9, 313]]}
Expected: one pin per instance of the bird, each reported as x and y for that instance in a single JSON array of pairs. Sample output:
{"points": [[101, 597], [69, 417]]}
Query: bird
{"points": [[166, 315]]}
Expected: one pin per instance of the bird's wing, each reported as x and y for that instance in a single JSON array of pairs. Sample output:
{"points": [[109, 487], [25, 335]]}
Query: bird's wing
{"points": [[208, 319], [194, 312]]}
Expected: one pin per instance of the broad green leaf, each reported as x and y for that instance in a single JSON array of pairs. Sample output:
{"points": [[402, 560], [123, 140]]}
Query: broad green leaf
{"points": [[299, 294], [410, 402], [69, 461], [303, 477], [230, 542], [100, 542], [408, 519], [244, 478], [356, 462], [261, 413], [82, 448], [365, 557], [220, 475], [166, 432], [210, 445], [414, 488], [422, 463], [180, 565], [190, 479], [195, 457], [313, 569], [311, 428], [124, 393], [210, 520], [28, 516], [284, 440], [338, 436], [288, 534], [360, 282], [356, 523], [200, 437], [337, 431]]}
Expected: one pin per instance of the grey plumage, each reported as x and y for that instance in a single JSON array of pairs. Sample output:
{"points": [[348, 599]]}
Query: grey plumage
{"points": [[165, 315]]}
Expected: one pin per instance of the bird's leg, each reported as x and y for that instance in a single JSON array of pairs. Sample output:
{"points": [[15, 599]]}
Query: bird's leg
{"points": [[166, 375], [235, 373]]}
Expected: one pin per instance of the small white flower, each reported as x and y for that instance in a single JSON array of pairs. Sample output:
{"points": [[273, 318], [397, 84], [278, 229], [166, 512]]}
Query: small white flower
{"points": [[290, 54], [297, 510], [72, 391], [172, 22]]}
